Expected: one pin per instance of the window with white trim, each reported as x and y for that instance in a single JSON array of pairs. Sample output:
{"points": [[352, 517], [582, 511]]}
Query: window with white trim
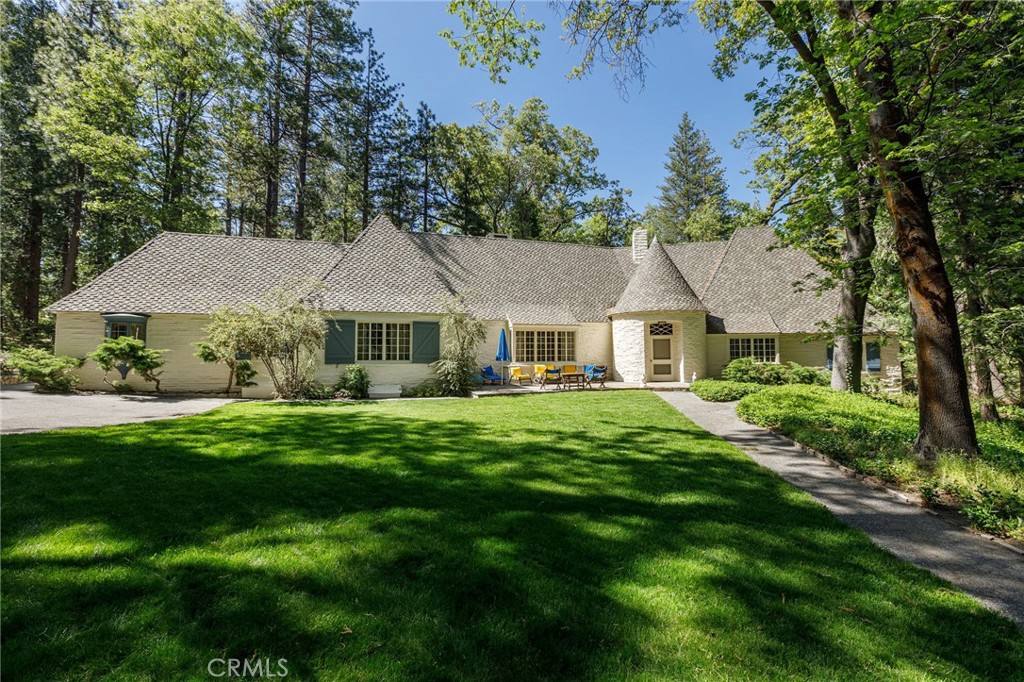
{"points": [[761, 349], [661, 329], [389, 341], [545, 346]]}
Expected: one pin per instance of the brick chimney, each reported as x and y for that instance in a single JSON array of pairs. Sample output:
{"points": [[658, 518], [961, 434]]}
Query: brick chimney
{"points": [[639, 244]]}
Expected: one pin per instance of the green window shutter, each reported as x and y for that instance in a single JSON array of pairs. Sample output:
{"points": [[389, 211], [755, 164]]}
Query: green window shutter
{"points": [[426, 341], [340, 348]]}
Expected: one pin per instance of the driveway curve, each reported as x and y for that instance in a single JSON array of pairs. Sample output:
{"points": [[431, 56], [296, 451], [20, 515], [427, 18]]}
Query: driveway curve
{"points": [[22, 410]]}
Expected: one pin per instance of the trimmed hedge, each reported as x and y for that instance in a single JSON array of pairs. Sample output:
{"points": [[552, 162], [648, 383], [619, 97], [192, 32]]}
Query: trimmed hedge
{"points": [[715, 391], [877, 437]]}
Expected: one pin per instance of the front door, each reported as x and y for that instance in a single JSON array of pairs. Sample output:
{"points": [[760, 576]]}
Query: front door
{"points": [[662, 367]]}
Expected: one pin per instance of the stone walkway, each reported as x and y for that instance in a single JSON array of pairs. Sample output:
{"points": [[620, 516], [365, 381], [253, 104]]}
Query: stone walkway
{"points": [[989, 572]]}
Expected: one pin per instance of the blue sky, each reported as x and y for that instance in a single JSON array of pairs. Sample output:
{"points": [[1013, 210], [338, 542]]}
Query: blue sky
{"points": [[632, 134]]}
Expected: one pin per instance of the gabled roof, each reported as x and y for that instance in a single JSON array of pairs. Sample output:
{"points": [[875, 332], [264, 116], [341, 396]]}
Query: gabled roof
{"points": [[177, 272], [761, 286], [383, 271], [745, 284], [656, 285], [528, 282]]}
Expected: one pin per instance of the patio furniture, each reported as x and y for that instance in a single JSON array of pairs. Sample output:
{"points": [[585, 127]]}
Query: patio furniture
{"points": [[516, 374], [489, 375], [569, 369], [552, 375], [596, 373], [577, 379], [538, 373]]}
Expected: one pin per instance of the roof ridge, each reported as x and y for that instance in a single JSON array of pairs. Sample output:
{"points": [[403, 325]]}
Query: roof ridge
{"points": [[515, 239], [718, 265], [253, 237]]}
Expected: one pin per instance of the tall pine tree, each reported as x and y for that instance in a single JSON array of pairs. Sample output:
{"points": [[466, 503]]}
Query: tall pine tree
{"points": [[692, 204]]}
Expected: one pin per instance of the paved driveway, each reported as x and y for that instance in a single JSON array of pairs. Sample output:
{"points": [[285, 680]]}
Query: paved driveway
{"points": [[22, 410]]}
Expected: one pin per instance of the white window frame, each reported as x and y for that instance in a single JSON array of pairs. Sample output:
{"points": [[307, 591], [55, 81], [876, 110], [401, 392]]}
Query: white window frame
{"points": [[544, 345], [383, 342], [759, 348]]}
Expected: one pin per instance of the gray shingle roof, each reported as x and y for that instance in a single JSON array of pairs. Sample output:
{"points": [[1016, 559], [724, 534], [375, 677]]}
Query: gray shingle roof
{"points": [[178, 272], [529, 282], [758, 288], [744, 286], [383, 271], [656, 285]]}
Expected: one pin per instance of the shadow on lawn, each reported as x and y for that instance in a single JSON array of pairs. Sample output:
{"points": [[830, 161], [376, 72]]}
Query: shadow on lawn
{"points": [[366, 542]]}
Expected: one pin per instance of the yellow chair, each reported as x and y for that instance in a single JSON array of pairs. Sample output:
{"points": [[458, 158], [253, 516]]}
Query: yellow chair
{"points": [[569, 369], [516, 374], [538, 373]]}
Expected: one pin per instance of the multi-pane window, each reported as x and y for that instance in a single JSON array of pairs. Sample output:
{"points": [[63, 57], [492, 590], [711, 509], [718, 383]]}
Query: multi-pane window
{"points": [[545, 346], [762, 349], [377, 341]]}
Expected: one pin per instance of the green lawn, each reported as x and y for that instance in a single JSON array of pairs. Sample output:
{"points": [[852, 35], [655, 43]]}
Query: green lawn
{"points": [[596, 536]]}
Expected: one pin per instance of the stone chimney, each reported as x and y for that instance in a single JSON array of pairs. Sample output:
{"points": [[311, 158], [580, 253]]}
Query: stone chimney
{"points": [[639, 244]]}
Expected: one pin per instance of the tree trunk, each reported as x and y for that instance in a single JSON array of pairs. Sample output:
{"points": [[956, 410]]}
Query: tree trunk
{"points": [[74, 233], [227, 216], [945, 422], [32, 255], [272, 177], [365, 202], [848, 350], [303, 142]]}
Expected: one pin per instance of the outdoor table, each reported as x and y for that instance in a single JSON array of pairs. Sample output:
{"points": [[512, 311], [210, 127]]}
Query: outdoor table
{"points": [[577, 378]]}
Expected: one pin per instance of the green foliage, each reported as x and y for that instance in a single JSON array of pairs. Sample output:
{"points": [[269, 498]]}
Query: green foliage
{"points": [[284, 332], [800, 374], [53, 373], [715, 391], [428, 389], [355, 382], [127, 354], [589, 533], [692, 203], [462, 334], [877, 439], [747, 370], [225, 342]]}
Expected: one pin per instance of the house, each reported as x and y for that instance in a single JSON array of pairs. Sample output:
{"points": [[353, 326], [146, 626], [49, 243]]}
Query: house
{"points": [[650, 312]]}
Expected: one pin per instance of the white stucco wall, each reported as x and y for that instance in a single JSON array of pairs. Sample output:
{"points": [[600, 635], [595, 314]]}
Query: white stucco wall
{"points": [[794, 348], [629, 349]]}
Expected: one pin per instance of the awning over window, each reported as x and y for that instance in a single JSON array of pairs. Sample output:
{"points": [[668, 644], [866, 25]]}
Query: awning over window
{"points": [[127, 318]]}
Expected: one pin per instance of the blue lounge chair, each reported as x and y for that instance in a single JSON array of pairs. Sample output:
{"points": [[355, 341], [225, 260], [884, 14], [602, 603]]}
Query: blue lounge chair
{"points": [[596, 373], [489, 374], [553, 376]]}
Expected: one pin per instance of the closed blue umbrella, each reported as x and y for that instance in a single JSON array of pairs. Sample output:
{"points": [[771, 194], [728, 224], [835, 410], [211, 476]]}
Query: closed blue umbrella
{"points": [[502, 354]]}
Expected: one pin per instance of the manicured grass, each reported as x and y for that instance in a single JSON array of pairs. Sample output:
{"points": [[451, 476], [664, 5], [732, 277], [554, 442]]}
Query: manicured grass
{"points": [[877, 437], [596, 536]]}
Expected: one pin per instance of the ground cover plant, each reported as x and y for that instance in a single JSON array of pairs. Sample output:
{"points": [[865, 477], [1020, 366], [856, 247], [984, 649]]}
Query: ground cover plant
{"points": [[876, 437], [716, 391], [596, 536]]}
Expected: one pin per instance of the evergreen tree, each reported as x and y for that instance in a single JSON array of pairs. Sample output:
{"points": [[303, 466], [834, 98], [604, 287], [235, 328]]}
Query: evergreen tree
{"points": [[692, 203]]}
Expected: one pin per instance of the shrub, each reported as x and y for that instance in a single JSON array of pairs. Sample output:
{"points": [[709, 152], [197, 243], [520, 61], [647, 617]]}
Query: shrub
{"points": [[284, 332], [127, 354], [745, 370], [715, 391], [457, 369], [799, 374], [47, 371], [876, 438], [355, 382], [428, 389], [223, 345]]}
